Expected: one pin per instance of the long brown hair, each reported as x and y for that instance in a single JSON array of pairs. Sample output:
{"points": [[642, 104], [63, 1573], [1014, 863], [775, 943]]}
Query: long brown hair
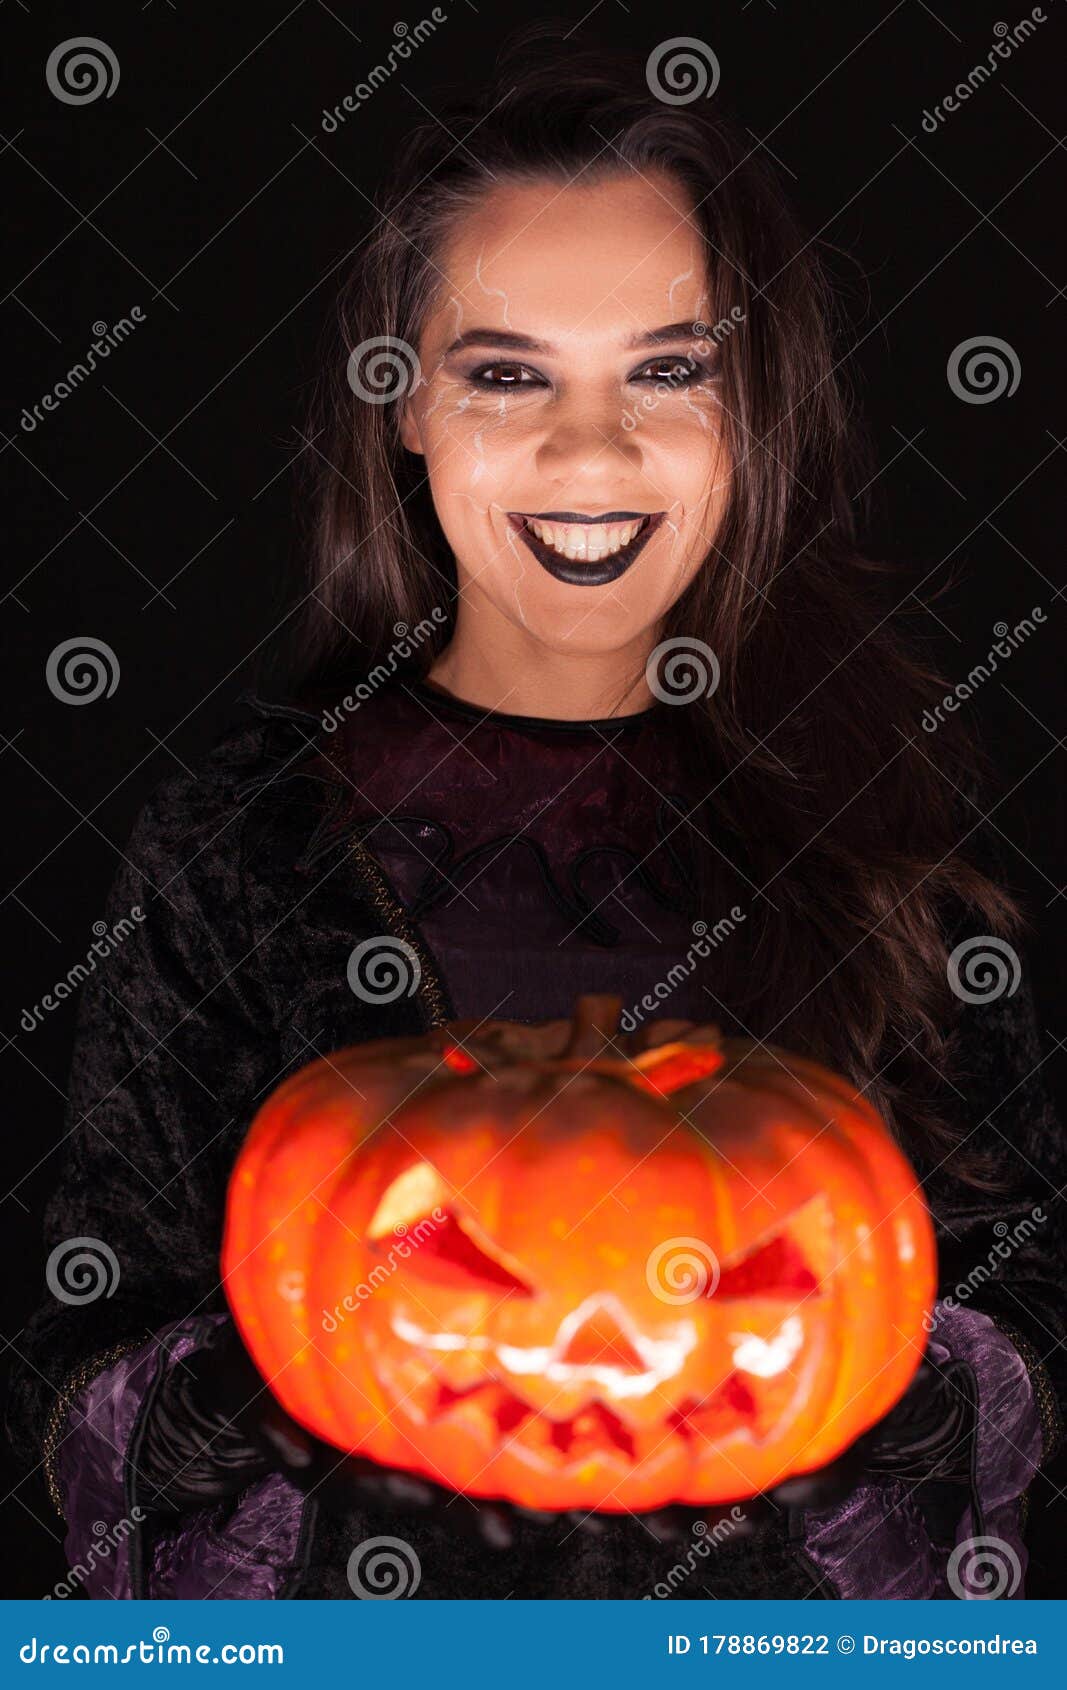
{"points": [[811, 742]]}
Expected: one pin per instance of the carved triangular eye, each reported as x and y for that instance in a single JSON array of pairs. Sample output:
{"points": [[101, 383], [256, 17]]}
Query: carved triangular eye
{"points": [[450, 1254], [446, 1245], [409, 1198], [775, 1268]]}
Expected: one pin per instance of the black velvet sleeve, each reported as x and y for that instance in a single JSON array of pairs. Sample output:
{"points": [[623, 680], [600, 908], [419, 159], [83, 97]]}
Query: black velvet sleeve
{"points": [[1002, 1251], [174, 1047]]}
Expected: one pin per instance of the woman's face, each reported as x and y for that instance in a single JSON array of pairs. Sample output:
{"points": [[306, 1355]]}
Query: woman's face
{"points": [[569, 411]]}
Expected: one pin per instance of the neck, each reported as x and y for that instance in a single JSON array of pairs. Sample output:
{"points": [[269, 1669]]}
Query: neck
{"points": [[514, 672]]}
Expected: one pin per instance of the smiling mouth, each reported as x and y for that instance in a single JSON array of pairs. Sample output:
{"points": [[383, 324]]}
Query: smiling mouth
{"points": [[586, 551]]}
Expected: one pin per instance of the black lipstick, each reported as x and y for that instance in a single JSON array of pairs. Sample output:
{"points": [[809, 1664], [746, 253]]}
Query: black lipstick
{"points": [[574, 571]]}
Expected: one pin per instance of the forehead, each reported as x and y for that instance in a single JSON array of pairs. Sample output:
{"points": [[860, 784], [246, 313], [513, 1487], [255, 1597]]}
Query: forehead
{"points": [[574, 262]]}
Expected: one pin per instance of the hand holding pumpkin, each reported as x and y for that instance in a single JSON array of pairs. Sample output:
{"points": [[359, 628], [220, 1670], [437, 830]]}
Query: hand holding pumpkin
{"points": [[574, 1271], [215, 1427]]}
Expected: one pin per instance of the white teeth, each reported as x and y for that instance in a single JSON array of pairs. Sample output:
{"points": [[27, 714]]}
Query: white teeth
{"points": [[584, 541]]}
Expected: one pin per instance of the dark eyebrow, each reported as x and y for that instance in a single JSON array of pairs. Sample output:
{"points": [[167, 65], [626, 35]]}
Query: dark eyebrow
{"points": [[686, 330], [525, 343], [497, 337]]}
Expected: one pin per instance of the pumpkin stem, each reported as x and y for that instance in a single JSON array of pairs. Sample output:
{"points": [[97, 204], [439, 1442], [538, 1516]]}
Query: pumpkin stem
{"points": [[596, 1021]]}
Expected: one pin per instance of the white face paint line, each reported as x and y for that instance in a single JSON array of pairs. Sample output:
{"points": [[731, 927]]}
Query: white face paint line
{"points": [[491, 293], [676, 283]]}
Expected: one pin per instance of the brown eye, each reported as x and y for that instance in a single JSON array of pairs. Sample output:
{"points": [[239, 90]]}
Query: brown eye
{"points": [[504, 376], [677, 370]]}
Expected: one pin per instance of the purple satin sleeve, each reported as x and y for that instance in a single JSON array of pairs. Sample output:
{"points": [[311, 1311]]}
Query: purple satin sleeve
{"points": [[876, 1544], [243, 1549]]}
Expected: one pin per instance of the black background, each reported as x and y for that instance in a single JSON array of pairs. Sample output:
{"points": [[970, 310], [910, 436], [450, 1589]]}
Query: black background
{"points": [[154, 508]]}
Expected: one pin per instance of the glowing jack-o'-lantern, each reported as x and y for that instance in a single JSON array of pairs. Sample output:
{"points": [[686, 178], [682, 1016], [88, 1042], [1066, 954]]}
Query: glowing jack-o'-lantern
{"points": [[546, 1264]]}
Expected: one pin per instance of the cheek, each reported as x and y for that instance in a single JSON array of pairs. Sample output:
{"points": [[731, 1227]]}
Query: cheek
{"points": [[686, 453], [466, 433]]}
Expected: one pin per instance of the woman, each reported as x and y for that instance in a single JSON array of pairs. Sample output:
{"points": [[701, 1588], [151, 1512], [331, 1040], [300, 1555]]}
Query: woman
{"points": [[589, 656]]}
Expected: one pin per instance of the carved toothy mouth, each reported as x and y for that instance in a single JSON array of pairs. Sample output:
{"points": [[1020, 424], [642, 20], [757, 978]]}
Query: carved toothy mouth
{"points": [[592, 1430], [596, 1430]]}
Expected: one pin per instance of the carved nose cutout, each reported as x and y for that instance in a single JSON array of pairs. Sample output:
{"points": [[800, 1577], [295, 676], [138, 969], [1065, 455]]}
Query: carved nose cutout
{"points": [[601, 1342]]}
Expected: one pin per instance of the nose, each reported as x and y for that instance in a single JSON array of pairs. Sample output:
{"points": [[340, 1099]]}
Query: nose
{"points": [[586, 449], [598, 1340]]}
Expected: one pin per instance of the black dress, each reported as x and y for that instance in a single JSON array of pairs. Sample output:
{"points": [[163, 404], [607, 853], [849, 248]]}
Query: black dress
{"points": [[315, 887]]}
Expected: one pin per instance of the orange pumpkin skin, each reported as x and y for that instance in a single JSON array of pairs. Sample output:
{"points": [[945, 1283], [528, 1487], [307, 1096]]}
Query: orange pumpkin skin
{"points": [[574, 1274]]}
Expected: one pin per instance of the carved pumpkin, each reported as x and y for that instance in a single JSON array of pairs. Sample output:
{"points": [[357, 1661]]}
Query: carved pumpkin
{"points": [[577, 1271]]}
